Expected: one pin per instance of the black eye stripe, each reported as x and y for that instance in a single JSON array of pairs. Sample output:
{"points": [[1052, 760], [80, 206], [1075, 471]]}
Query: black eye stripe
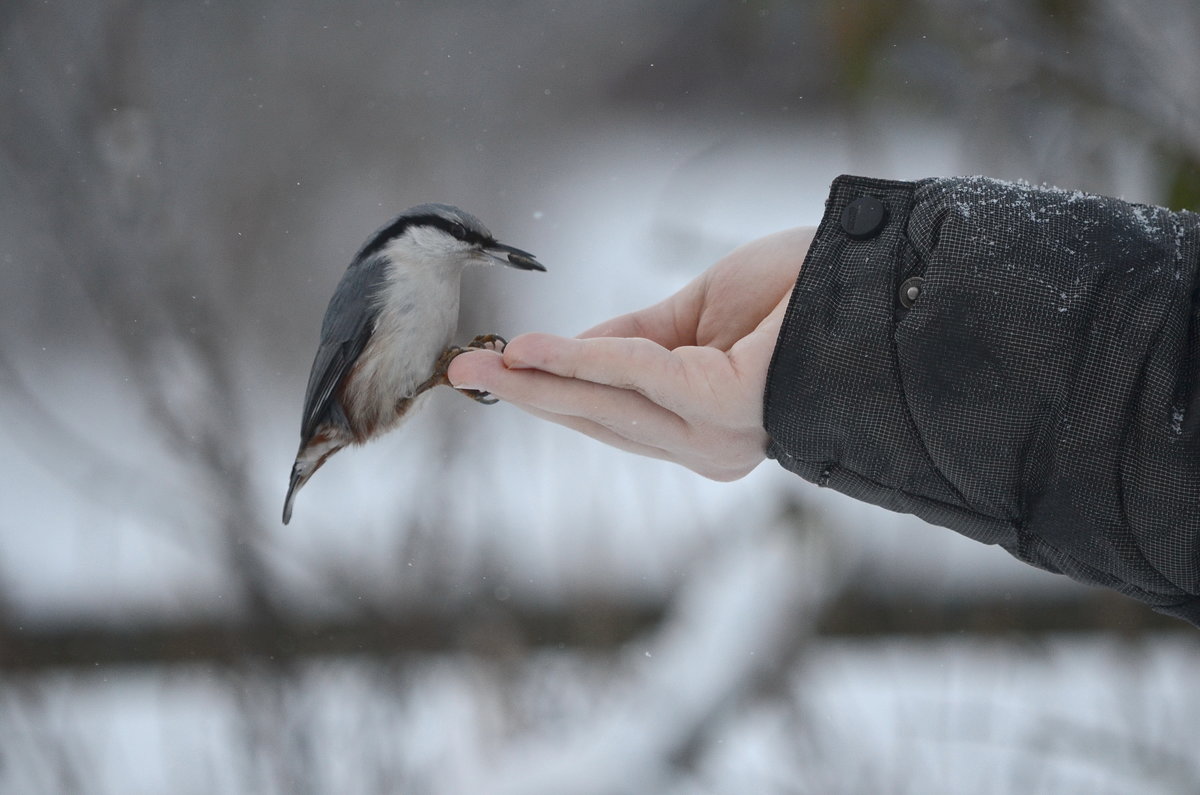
{"points": [[393, 230]]}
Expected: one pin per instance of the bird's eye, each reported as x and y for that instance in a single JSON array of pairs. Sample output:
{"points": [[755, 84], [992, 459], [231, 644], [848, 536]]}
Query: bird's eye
{"points": [[460, 231]]}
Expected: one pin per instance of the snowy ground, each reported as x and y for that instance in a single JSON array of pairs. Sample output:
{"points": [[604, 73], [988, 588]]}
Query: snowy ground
{"points": [[1062, 716]]}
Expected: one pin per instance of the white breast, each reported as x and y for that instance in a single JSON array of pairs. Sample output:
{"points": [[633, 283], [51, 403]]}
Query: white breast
{"points": [[417, 319]]}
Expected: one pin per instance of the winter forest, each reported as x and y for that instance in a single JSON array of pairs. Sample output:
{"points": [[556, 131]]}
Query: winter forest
{"points": [[482, 602]]}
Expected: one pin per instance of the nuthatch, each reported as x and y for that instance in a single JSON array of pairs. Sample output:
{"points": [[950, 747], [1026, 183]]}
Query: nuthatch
{"points": [[386, 337]]}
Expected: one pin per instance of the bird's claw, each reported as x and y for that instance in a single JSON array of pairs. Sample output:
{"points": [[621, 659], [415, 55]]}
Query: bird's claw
{"points": [[480, 397], [488, 342], [485, 342]]}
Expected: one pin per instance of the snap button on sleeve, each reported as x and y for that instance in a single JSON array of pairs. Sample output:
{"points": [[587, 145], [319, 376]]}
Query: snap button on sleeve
{"points": [[910, 291], [863, 218]]}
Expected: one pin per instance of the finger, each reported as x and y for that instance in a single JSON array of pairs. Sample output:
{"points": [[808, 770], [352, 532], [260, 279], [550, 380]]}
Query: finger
{"points": [[621, 418], [599, 433], [625, 412], [720, 468], [750, 357], [472, 368], [635, 364], [657, 324], [671, 322], [483, 370]]}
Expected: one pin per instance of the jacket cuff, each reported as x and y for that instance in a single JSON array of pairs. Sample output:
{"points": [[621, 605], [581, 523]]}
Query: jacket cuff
{"points": [[834, 406]]}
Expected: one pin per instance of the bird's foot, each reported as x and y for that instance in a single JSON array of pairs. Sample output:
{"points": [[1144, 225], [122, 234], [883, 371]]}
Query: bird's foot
{"points": [[486, 342]]}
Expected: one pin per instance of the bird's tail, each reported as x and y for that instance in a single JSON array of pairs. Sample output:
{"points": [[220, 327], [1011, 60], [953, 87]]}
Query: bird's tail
{"points": [[310, 458], [298, 479]]}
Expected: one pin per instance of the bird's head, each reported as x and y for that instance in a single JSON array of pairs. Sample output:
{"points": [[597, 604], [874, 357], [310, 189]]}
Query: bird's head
{"points": [[446, 233]]}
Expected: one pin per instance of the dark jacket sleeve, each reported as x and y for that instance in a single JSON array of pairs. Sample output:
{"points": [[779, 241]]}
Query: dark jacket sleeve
{"points": [[1040, 392]]}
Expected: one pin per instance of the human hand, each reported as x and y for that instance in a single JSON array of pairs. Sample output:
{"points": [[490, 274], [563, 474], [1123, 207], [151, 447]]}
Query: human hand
{"points": [[682, 380]]}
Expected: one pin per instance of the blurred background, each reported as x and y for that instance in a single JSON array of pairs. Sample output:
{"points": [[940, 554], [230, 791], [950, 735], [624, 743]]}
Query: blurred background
{"points": [[480, 602]]}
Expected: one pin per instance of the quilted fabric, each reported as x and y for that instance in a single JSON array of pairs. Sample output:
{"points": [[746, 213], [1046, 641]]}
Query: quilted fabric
{"points": [[1042, 391]]}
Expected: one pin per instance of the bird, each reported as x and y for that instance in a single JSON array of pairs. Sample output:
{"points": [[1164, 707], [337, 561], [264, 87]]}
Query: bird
{"points": [[386, 338]]}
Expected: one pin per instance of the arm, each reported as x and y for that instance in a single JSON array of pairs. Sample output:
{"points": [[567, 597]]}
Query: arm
{"points": [[1042, 392]]}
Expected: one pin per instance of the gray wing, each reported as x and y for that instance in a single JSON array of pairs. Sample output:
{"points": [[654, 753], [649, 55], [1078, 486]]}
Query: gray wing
{"points": [[349, 320]]}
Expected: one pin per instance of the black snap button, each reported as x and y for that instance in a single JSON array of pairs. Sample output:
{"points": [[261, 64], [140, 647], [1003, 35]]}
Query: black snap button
{"points": [[863, 218], [910, 291]]}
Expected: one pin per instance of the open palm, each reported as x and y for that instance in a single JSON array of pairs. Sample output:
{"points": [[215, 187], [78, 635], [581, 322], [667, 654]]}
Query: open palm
{"points": [[681, 380]]}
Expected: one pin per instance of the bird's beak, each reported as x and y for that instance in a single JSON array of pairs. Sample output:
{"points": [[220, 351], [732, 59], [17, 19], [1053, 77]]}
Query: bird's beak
{"points": [[513, 257]]}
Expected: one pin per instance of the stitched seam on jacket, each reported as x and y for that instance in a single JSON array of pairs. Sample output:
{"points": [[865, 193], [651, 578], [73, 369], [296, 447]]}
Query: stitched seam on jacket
{"points": [[1100, 577], [894, 350], [1155, 340], [832, 466]]}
